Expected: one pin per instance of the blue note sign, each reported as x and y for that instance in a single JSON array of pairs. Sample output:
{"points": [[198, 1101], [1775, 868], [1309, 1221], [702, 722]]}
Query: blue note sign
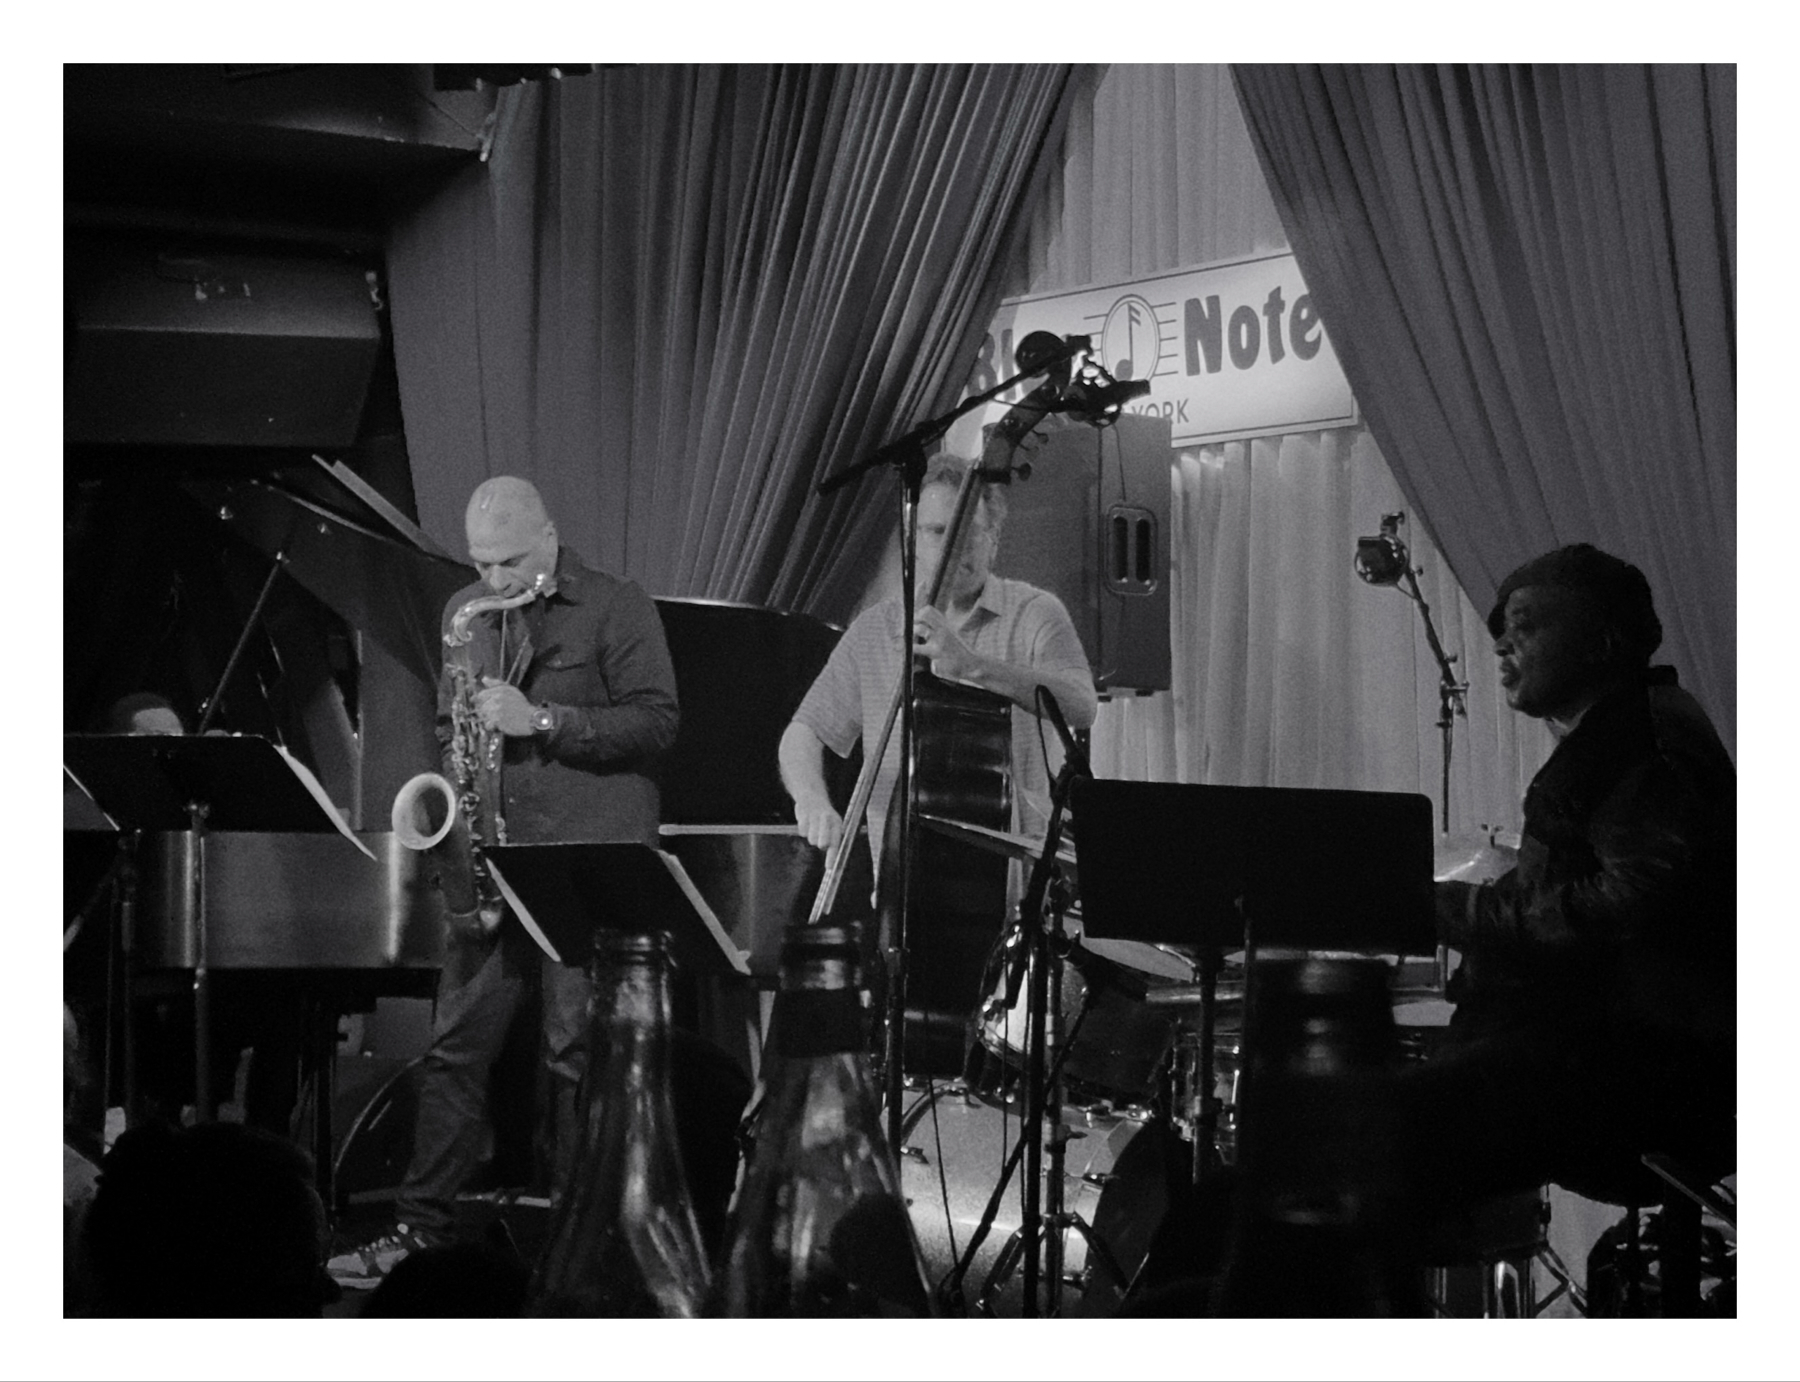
{"points": [[1230, 350]]}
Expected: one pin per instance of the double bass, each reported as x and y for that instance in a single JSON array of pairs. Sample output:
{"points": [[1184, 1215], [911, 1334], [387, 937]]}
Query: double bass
{"points": [[942, 904]]}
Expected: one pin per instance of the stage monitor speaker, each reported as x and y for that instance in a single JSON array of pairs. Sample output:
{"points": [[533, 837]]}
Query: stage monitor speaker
{"points": [[1092, 525], [215, 349]]}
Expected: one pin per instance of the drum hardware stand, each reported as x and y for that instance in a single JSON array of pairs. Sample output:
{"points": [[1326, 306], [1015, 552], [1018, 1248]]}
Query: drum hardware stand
{"points": [[1206, 1130], [1054, 1219], [1206, 1160], [1039, 1235]]}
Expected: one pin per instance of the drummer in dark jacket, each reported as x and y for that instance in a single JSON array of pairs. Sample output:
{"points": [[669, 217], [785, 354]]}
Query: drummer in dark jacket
{"points": [[1596, 1002]]}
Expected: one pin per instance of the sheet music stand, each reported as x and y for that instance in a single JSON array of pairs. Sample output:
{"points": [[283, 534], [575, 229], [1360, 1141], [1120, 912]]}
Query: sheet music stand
{"points": [[198, 784], [1307, 868], [1229, 868], [563, 893]]}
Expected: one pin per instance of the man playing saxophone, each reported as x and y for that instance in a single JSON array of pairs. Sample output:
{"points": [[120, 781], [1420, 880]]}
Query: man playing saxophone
{"points": [[568, 670]]}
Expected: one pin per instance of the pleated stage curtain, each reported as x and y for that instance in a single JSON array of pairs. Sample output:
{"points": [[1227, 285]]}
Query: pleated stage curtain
{"points": [[1287, 670], [1529, 273], [678, 297]]}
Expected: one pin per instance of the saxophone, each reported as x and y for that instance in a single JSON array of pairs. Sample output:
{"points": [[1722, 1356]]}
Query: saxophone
{"points": [[451, 822]]}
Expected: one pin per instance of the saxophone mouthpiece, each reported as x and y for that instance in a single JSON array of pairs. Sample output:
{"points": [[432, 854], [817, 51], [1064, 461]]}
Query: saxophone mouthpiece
{"points": [[458, 634]]}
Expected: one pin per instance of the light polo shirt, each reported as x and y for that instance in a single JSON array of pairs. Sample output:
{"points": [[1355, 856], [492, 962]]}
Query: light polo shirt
{"points": [[1012, 621]]}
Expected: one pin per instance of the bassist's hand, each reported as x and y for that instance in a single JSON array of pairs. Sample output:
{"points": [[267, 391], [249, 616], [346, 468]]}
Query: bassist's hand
{"points": [[933, 638], [818, 821]]}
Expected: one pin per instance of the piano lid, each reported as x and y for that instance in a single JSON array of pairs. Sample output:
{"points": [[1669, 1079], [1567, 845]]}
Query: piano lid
{"points": [[352, 549]]}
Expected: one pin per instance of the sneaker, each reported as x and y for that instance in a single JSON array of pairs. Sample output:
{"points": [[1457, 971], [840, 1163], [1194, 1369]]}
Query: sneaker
{"points": [[366, 1267]]}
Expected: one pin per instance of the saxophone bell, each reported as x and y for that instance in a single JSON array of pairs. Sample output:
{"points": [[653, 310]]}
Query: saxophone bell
{"points": [[427, 819], [424, 811]]}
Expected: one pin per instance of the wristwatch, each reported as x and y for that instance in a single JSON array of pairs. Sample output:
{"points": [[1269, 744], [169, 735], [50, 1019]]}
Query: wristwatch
{"points": [[542, 721]]}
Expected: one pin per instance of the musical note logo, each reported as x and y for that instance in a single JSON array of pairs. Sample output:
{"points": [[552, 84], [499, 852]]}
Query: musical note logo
{"points": [[1131, 340]]}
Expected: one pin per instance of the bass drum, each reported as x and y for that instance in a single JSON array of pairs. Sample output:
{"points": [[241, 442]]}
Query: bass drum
{"points": [[954, 1150]]}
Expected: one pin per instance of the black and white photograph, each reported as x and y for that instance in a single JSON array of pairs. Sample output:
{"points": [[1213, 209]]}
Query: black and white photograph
{"points": [[908, 693]]}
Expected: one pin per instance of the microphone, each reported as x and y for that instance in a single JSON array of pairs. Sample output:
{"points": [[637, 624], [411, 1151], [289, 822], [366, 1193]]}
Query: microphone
{"points": [[1075, 757], [1383, 559], [1094, 396], [1043, 350]]}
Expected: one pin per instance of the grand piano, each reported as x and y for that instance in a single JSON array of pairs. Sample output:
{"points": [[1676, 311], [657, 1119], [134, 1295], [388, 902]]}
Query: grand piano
{"points": [[343, 927]]}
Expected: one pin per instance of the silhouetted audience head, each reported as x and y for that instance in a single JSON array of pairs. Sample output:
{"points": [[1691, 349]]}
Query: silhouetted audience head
{"points": [[215, 1220], [455, 1281], [144, 712]]}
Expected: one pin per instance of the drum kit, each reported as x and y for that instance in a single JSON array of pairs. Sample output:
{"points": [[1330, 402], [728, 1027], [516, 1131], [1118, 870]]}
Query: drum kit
{"points": [[1124, 1043], [1132, 1080]]}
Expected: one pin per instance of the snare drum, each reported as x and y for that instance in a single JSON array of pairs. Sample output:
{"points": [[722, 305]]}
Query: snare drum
{"points": [[1118, 1049], [1186, 1087], [1417, 1025]]}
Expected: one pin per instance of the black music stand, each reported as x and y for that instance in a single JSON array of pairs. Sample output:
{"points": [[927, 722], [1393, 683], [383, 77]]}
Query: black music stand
{"points": [[1308, 868], [563, 893], [198, 784], [1217, 869]]}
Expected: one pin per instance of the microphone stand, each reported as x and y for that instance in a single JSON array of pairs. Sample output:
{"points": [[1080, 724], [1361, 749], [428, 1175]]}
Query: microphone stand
{"points": [[205, 1111], [1044, 946], [1386, 560], [907, 455], [901, 451], [1452, 694]]}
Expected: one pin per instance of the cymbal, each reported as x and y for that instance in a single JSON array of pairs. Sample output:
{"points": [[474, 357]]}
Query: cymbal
{"points": [[1025, 848], [1161, 961], [1472, 857], [1228, 992]]}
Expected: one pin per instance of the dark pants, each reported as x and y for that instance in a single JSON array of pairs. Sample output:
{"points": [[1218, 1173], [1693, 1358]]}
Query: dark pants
{"points": [[480, 990], [1503, 1107], [1498, 1108]]}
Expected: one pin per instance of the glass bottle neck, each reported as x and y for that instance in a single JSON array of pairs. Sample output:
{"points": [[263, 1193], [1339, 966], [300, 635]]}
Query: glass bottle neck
{"points": [[631, 993], [818, 972], [819, 1010], [630, 1024]]}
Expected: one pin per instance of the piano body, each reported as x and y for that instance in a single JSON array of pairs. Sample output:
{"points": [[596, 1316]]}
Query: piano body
{"points": [[290, 901], [741, 671], [336, 658], [308, 900], [304, 901]]}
